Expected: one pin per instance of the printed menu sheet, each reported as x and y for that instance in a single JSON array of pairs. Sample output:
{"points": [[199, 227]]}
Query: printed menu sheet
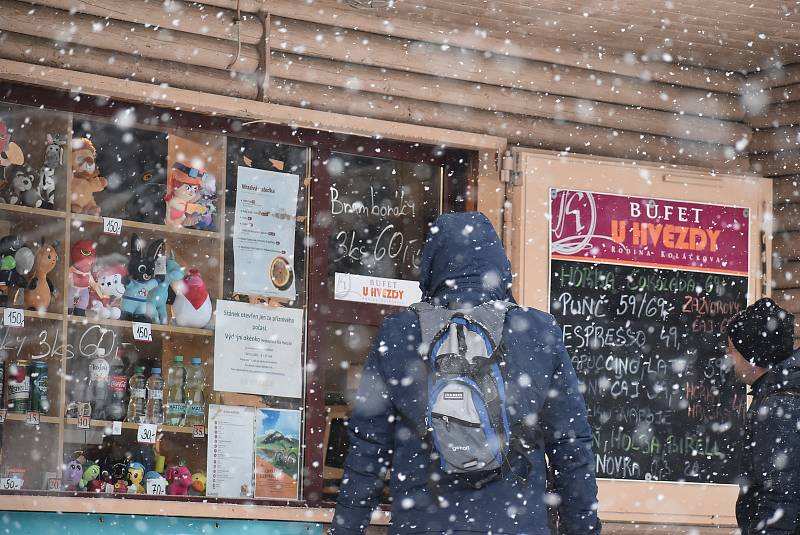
{"points": [[231, 439]]}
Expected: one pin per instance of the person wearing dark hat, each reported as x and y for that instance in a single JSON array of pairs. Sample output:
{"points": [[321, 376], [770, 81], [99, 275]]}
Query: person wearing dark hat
{"points": [[761, 347]]}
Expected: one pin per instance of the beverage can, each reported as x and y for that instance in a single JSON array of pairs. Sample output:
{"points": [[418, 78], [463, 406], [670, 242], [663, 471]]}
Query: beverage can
{"points": [[19, 386], [39, 400]]}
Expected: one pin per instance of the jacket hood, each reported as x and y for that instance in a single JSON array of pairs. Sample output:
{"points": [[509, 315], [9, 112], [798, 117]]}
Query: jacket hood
{"points": [[783, 376], [463, 262]]}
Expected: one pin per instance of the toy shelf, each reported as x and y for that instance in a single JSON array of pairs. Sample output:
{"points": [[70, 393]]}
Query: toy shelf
{"points": [[38, 315], [18, 209], [19, 417], [155, 327], [105, 424], [161, 229]]}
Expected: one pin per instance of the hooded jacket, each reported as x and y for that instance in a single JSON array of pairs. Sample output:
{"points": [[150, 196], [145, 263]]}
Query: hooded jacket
{"points": [[463, 264], [769, 503]]}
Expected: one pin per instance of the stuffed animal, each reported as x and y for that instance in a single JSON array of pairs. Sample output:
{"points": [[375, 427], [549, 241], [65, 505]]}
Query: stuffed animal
{"points": [[21, 183], [10, 153], [16, 261], [82, 257], [47, 187], [54, 151], [40, 289], [111, 280], [183, 192], [180, 479], [209, 202], [90, 474], [141, 279], [136, 476], [147, 202], [198, 484], [32, 196], [158, 297], [86, 179], [192, 306], [73, 474]]}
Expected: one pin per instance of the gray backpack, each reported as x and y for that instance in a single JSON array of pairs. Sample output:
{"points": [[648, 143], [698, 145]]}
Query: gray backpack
{"points": [[467, 423]]}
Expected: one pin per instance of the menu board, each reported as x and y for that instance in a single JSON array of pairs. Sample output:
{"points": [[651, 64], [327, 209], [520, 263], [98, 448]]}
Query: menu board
{"points": [[644, 289]]}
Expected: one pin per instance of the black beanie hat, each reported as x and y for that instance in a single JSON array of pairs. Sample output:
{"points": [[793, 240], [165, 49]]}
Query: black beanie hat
{"points": [[763, 333]]}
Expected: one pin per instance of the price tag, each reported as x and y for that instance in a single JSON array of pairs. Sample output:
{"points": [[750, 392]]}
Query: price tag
{"points": [[13, 317], [112, 225], [10, 483], [54, 484], [198, 431], [32, 418], [157, 487], [84, 422], [116, 428], [147, 433], [3, 413], [142, 332]]}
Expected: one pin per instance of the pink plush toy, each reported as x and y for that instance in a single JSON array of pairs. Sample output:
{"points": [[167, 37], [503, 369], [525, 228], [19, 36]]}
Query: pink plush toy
{"points": [[180, 480]]}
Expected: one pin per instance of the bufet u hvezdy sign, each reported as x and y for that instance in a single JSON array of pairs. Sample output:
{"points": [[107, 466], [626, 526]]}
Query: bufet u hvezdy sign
{"points": [[620, 229]]}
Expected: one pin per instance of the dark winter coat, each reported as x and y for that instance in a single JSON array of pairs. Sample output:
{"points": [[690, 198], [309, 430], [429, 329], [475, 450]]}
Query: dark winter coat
{"points": [[464, 262], [770, 499]]}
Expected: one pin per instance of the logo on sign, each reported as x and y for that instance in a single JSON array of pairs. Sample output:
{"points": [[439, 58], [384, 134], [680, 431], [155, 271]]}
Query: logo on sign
{"points": [[454, 395]]}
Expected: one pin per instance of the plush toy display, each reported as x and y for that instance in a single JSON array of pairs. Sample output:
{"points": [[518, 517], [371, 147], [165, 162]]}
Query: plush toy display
{"points": [[19, 185], [183, 191], [198, 484], [90, 474], [180, 479], [158, 297], [73, 474], [53, 159], [111, 280], [82, 257], [40, 289], [209, 202], [10, 153], [192, 306], [142, 281], [86, 179], [136, 476], [16, 262]]}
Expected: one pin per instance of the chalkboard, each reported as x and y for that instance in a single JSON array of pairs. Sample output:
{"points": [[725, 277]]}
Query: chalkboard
{"points": [[380, 212], [644, 290]]}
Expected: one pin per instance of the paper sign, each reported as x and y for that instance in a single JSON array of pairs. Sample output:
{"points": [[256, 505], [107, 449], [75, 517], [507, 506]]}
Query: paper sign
{"points": [[112, 225], [377, 290], [53, 484], [258, 350], [157, 487], [116, 428], [3, 413], [198, 431], [10, 483], [146, 433], [32, 418], [277, 461], [13, 317], [142, 332], [229, 459], [84, 422]]}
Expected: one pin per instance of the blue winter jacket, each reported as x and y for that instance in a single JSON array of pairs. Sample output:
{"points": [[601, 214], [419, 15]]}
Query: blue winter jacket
{"points": [[769, 503], [463, 262]]}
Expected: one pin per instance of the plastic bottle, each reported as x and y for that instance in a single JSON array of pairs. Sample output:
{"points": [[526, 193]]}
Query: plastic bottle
{"points": [[136, 406], [116, 408], [175, 402], [99, 372], [154, 411], [195, 397]]}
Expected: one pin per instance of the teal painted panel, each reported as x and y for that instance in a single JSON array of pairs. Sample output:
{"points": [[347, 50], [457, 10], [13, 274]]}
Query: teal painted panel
{"points": [[14, 523]]}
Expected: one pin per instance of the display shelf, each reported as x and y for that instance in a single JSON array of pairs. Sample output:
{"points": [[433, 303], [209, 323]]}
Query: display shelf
{"points": [[151, 227], [39, 315], [57, 214], [21, 417], [155, 327], [103, 424]]}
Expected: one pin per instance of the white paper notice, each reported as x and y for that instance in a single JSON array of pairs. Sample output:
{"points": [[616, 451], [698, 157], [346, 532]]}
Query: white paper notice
{"points": [[231, 450], [377, 290], [264, 233], [258, 350]]}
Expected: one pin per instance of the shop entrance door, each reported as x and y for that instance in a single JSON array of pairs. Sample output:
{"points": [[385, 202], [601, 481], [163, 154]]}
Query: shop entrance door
{"points": [[643, 267]]}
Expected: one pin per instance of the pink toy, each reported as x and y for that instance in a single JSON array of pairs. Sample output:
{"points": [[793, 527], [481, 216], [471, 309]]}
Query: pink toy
{"points": [[110, 279], [180, 480], [192, 306]]}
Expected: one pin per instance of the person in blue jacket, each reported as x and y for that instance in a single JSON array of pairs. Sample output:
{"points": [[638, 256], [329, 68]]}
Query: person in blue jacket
{"points": [[464, 264], [761, 341]]}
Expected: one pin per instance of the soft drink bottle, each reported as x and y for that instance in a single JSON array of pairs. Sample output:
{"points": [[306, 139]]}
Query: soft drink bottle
{"points": [[176, 379], [137, 412], [195, 397], [99, 372], [115, 408], [154, 411]]}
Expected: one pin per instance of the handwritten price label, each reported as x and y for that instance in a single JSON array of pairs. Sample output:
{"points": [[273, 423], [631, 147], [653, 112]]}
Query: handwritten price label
{"points": [[32, 418], [84, 422], [147, 433], [53, 484], [157, 487], [112, 225], [116, 428], [13, 317], [198, 431], [142, 332], [3, 413], [10, 483]]}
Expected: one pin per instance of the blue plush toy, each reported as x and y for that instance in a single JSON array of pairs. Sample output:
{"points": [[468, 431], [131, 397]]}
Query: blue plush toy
{"points": [[158, 297], [142, 281]]}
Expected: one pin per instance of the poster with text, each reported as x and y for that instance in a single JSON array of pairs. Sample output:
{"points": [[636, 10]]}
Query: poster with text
{"points": [[277, 453], [264, 233], [258, 350], [230, 451]]}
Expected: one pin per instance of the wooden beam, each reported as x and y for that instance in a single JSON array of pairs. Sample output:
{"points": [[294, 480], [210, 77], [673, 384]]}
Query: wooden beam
{"points": [[494, 98], [787, 219], [786, 190], [777, 115], [776, 163], [775, 139], [789, 298], [522, 130], [87, 30], [788, 75], [380, 51], [48, 53], [787, 93]]}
